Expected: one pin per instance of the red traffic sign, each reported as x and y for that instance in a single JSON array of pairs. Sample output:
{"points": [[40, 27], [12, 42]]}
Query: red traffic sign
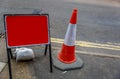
{"points": [[26, 30]]}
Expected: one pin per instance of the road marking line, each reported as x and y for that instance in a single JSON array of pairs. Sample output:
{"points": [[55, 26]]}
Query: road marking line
{"points": [[110, 46], [94, 54]]}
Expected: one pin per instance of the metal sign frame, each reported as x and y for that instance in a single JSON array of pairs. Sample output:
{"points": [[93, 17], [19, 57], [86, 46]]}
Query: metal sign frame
{"points": [[9, 52]]}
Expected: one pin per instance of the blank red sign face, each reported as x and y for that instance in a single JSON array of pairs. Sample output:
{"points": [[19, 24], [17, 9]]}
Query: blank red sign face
{"points": [[23, 30]]}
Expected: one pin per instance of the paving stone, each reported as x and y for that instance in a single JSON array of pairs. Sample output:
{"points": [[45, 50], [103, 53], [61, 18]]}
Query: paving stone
{"points": [[2, 65]]}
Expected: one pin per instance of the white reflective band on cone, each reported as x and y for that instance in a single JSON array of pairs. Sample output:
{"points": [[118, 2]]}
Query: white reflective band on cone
{"points": [[70, 36]]}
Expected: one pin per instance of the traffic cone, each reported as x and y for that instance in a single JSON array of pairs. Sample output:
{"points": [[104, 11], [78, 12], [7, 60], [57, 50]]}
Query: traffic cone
{"points": [[66, 59], [67, 54]]}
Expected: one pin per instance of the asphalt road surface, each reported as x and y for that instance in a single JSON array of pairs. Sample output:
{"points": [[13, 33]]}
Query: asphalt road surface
{"points": [[96, 22]]}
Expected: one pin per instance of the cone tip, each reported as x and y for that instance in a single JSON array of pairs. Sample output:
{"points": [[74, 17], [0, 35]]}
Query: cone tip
{"points": [[73, 19], [75, 10]]}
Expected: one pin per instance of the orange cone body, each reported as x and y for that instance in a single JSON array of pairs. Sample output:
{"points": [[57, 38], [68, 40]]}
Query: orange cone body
{"points": [[67, 54]]}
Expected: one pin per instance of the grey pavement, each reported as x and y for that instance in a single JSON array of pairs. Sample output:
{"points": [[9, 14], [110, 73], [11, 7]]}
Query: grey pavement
{"points": [[95, 67], [2, 65], [2, 55]]}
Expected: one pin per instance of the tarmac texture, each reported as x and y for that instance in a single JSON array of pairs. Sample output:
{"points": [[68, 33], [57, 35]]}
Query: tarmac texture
{"points": [[95, 67]]}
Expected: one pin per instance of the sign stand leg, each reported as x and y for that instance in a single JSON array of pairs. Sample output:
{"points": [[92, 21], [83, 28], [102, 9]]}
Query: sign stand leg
{"points": [[50, 55], [11, 55], [46, 46], [9, 63]]}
